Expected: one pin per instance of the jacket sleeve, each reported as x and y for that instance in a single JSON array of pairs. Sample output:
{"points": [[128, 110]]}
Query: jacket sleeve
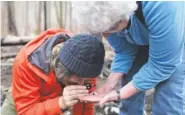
{"points": [[125, 53], [26, 94], [166, 41]]}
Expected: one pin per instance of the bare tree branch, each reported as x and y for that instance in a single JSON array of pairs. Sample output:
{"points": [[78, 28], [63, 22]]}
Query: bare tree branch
{"points": [[8, 55], [13, 40]]}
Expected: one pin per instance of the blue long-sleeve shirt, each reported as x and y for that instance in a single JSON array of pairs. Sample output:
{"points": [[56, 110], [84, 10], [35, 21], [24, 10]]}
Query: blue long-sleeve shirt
{"points": [[165, 35]]}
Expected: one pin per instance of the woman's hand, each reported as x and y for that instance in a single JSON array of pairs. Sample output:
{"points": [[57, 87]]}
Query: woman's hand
{"points": [[71, 95]]}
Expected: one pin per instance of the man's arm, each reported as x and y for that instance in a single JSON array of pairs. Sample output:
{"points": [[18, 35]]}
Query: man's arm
{"points": [[166, 45], [125, 53]]}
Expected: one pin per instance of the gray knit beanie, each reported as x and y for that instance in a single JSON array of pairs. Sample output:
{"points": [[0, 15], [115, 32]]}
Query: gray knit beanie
{"points": [[83, 55]]}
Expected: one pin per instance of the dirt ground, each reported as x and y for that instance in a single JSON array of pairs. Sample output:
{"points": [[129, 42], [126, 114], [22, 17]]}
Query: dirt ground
{"points": [[111, 108]]}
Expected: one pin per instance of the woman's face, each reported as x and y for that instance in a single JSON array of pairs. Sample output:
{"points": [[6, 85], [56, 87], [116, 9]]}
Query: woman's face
{"points": [[75, 80], [71, 79]]}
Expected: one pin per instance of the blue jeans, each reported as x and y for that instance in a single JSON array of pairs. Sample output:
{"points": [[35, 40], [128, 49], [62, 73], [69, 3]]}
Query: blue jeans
{"points": [[169, 95]]}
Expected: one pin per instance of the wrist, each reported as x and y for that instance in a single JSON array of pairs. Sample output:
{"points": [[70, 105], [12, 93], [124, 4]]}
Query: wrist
{"points": [[118, 94], [113, 79], [62, 103], [128, 90]]}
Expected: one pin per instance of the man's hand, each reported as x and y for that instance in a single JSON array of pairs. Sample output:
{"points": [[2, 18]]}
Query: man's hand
{"points": [[71, 95], [111, 82], [111, 96], [125, 92]]}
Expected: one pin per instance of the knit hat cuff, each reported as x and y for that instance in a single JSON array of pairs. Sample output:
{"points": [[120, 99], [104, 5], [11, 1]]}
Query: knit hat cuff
{"points": [[77, 66]]}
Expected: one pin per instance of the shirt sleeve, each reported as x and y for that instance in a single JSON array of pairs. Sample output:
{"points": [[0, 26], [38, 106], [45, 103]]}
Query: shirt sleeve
{"points": [[25, 92], [125, 53], [165, 21]]}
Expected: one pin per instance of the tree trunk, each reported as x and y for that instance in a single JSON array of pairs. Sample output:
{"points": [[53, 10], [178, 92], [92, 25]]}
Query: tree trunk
{"points": [[11, 18], [26, 18], [4, 19], [38, 18], [59, 12], [45, 15], [70, 15], [49, 14]]}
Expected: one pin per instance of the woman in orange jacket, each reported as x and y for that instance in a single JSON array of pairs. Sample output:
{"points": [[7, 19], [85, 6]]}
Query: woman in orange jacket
{"points": [[49, 75]]}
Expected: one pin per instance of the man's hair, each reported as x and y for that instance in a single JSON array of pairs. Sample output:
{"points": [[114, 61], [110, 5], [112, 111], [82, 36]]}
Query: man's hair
{"points": [[99, 16]]}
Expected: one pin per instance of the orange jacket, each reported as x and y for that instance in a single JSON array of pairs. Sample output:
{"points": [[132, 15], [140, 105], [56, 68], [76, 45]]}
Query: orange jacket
{"points": [[34, 91]]}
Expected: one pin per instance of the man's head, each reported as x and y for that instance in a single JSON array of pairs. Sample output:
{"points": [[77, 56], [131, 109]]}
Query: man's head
{"points": [[102, 16], [80, 59]]}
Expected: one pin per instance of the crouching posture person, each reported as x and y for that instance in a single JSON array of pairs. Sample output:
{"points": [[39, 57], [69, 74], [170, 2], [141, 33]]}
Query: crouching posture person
{"points": [[49, 75]]}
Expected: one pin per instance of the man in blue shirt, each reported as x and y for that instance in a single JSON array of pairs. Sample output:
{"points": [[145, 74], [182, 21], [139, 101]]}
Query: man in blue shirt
{"points": [[149, 43]]}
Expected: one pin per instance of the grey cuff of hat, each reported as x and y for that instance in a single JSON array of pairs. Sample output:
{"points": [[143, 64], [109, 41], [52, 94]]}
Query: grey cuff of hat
{"points": [[77, 66]]}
